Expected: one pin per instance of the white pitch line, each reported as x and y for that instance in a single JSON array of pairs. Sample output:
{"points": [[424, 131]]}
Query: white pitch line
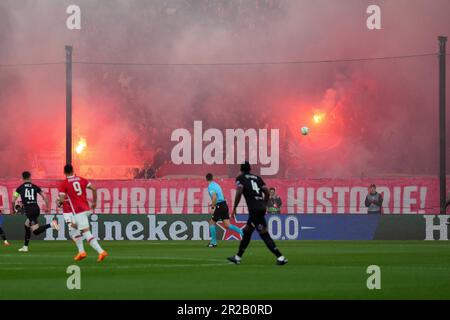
{"points": [[114, 257], [109, 267], [145, 266]]}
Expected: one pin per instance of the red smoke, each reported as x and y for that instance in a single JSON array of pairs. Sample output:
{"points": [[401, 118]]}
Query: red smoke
{"points": [[381, 116]]}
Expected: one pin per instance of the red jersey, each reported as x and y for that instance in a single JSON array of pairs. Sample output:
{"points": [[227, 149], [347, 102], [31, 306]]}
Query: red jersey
{"points": [[74, 188], [66, 206]]}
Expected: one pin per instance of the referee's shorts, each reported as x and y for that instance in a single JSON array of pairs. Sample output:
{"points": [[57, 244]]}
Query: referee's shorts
{"points": [[221, 212]]}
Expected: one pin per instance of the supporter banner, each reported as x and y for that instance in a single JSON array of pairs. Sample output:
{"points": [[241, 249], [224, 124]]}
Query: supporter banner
{"points": [[311, 196], [281, 227]]}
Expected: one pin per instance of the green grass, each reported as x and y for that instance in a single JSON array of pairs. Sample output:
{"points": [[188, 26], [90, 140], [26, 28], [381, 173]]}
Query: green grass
{"points": [[189, 270]]}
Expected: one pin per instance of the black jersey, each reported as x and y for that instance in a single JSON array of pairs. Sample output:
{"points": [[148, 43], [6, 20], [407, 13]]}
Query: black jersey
{"points": [[252, 189], [28, 193]]}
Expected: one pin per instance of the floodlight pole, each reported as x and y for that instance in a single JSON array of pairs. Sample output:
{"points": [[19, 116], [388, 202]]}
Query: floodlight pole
{"points": [[442, 145], [68, 104]]}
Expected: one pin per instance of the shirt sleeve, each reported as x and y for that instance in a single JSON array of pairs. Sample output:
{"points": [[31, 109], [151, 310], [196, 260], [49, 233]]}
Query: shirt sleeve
{"points": [[38, 189], [17, 192], [239, 183], [62, 187], [261, 181], [210, 191]]}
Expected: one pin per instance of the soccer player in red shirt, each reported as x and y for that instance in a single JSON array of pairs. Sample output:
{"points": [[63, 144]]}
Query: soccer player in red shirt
{"points": [[74, 234], [76, 211]]}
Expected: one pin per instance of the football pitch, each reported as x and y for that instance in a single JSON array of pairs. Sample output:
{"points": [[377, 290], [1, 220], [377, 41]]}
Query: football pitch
{"points": [[190, 270]]}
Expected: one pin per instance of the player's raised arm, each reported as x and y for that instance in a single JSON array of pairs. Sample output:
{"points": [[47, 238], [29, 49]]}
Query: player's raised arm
{"points": [[237, 198], [94, 195], [214, 200], [266, 192], [62, 191], [264, 189], [61, 198]]}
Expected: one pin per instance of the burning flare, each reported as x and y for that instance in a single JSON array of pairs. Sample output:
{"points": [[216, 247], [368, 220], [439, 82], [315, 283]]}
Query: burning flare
{"points": [[318, 117], [81, 146]]}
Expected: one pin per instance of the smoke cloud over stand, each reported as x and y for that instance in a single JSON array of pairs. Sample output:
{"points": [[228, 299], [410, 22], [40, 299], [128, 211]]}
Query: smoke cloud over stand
{"points": [[379, 117]]}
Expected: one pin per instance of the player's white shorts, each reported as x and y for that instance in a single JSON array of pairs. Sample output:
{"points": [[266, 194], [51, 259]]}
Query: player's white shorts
{"points": [[80, 219]]}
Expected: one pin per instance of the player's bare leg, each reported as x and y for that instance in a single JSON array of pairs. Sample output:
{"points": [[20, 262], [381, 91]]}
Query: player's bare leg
{"points": [[27, 237], [228, 225], [3, 236], [212, 232], [37, 229], [54, 224], [87, 235]]}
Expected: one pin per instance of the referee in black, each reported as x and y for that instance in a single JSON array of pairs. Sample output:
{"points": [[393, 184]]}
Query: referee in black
{"points": [[256, 195], [28, 192]]}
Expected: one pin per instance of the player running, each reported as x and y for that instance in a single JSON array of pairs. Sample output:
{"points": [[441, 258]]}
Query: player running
{"points": [[76, 212], [2, 232], [219, 210], [74, 234], [28, 192], [256, 195]]}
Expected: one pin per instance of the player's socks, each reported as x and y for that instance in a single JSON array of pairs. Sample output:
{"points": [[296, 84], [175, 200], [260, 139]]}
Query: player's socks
{"points": [[270, 244], [79, 243], [92, 241], [41, 229], [212, 232], [77, 238], [2, 234], [236, 229], [27, 236]]}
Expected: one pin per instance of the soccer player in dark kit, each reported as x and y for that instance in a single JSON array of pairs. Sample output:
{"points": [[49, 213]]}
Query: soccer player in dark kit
{"points": [[28, 193], [256, 195]]}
